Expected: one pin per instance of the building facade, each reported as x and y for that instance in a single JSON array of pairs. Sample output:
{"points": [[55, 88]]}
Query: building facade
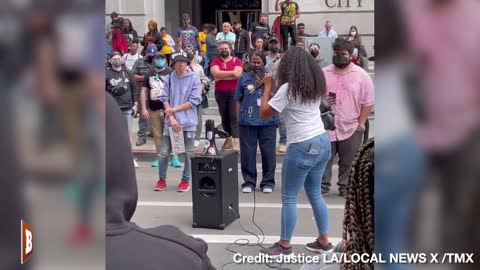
{"points": [[314, 13]]}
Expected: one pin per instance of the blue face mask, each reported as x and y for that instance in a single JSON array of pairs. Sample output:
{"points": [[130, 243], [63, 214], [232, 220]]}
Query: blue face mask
{"points": [[159, 63]]}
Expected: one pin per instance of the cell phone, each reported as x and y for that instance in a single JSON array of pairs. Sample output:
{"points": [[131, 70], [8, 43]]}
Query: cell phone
{"points": [[332, 95], [315, 148]]}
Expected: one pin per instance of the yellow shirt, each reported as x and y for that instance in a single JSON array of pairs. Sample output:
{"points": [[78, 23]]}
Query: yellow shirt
{"points": [[288, 12], [166, 49], [203, 39]]}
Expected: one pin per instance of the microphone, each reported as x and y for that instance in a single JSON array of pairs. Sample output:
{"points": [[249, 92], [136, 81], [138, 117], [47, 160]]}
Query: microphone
{"points": [[210, 148]]}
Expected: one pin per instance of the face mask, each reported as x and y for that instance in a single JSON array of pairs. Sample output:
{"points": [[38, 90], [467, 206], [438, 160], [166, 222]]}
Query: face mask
{"points": [[353, 33], [159, 63], [190, 56], [257, 69], [116, 63], [274, 49], [314, 54], [149, 59], [340, 61], [224, 54]]}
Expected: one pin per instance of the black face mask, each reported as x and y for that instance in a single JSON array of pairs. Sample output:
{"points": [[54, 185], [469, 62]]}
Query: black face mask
{"points": [[341, 61], [149, 59], [224, 54], [258, 69], [274, 49], [190, 56], [314, 53]]}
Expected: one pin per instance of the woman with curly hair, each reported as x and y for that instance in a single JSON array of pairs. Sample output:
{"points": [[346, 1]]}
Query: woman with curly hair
{"points": [[302, 86], [153, 35]]}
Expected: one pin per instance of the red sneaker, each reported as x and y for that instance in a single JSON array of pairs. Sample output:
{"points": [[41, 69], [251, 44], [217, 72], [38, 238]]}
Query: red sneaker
{"points": [[161, 185], [184, 186]]}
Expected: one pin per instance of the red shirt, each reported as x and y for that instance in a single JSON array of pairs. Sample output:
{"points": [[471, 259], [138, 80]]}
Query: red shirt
{"points": [[226, 85]]}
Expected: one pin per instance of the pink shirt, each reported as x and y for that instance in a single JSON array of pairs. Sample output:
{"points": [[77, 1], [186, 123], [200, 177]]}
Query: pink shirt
{"points": [[354, 91]]}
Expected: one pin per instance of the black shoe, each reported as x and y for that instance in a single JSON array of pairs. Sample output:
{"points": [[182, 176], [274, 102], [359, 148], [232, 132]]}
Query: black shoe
{"points": [[277, 250], [317, 247], [343, 193], [140, 142], [325, 192]]}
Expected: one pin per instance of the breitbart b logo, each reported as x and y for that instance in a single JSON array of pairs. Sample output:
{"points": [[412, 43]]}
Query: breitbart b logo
{"points": [[27, 241]]}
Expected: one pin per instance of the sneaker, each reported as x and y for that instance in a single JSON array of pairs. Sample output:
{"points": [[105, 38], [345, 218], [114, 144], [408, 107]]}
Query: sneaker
{"points": [[176, 162], [277, 250], [197, 143], [282, 148], [161, 185], [155, 164], [267, 190], [140, 142], [247, 189], [184, 186], [343, 193], [317, 247], [135, 163], [325, 192]]}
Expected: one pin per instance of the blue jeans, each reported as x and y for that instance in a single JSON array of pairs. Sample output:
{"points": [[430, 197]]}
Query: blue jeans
{"points": [[282, 130], [189, 138], [302, 167], [128, 117]]}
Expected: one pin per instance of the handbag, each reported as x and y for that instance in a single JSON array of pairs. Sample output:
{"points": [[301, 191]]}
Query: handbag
{"points": [[328, 117]]}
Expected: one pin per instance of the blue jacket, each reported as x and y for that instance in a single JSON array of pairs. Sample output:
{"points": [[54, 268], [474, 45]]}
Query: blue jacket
{"points": [[180, 90], [249, 98]]}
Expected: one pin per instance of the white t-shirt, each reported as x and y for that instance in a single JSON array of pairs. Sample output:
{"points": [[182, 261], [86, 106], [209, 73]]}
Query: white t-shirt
{"points": [[129, 60], [302, 121]]}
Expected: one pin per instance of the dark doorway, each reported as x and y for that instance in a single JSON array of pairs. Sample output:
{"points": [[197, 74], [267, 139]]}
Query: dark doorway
{"points": [[220, 11]]}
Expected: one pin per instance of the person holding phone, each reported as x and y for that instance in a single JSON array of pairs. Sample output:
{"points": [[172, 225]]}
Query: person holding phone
{"points": [[351, 94], [254, 130], [298, 100]]}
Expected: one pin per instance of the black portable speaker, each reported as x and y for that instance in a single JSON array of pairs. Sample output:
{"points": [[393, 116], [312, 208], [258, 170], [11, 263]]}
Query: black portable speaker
{"points": [[215, 190]]}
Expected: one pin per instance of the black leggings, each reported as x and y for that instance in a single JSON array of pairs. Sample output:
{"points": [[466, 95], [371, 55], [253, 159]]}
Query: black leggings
{"points": [[228, 112], [285, 30]]}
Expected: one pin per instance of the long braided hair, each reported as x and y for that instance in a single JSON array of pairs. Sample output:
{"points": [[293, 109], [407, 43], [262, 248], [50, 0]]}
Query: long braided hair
{"points": [[358, 224]]}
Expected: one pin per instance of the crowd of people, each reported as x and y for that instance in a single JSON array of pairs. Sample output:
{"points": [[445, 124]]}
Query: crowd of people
{"points": [[261, 83]]}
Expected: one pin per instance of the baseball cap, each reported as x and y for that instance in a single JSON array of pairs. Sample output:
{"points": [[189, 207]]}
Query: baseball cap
{"points": [[160, 55], [180, 56], [273, 38], [151, 50]]}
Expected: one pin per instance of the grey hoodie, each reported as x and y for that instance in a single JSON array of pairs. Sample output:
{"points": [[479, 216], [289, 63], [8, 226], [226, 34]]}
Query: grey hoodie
{"points": [[180, 90]]}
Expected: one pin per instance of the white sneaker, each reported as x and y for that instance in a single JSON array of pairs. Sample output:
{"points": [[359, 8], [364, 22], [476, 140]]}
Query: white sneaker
{"points": [[196, 143], [247, 190], [135, 163], [267, 190]]}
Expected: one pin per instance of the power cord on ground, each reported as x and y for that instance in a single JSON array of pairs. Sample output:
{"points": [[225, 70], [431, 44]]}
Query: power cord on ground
{"points": [[246, 242]]}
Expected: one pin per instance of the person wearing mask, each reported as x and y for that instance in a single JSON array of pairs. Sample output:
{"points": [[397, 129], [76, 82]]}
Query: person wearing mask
{"points": [[226, 35], [140, 69], [121, 85], [188, 35], [198, 70], [354, 37], [168, 45], [301, 31], [129, 32], [259, 29], [351, 94], [289, 14], [226, 70], [328, 32], [314, 50], [119, 42], [242, 42], [253, 130], [127, 245], [212, 48], [273, 61], [130, 58], [152, 36], [181, 96], [298, 100]]}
